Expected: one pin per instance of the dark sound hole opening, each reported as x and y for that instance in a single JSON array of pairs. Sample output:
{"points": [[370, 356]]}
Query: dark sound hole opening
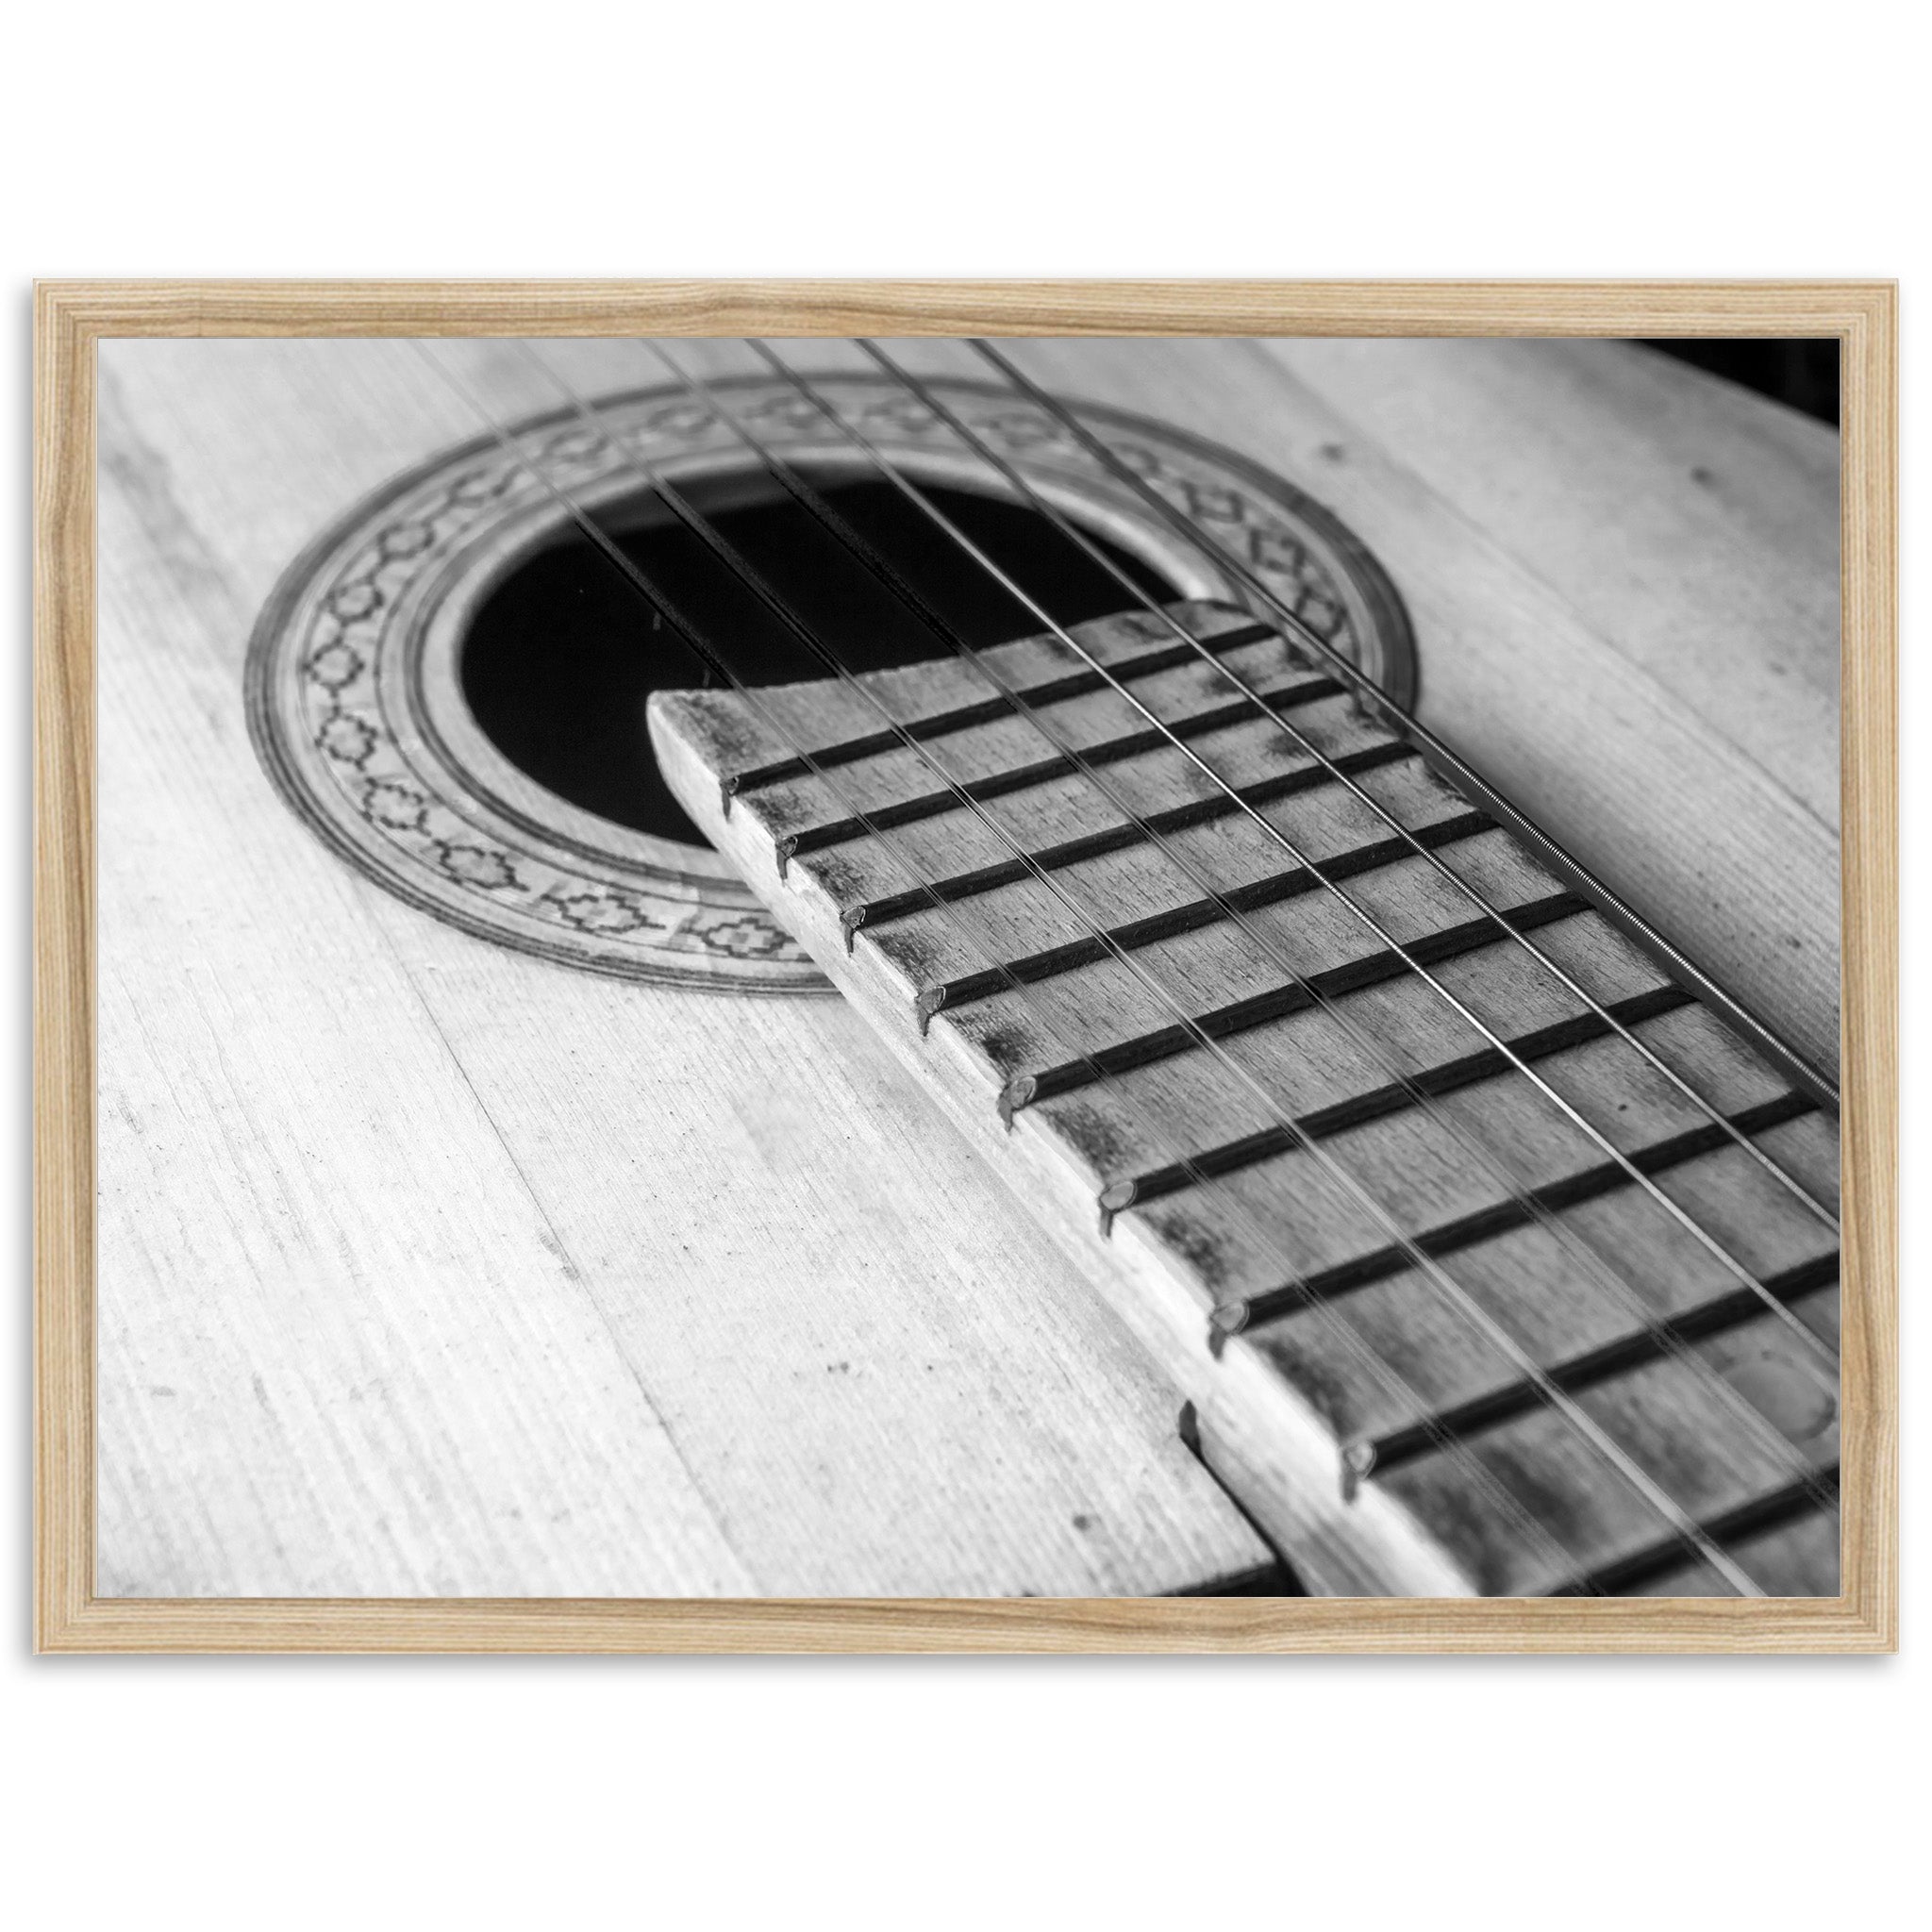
{"points": [[563, 651]]}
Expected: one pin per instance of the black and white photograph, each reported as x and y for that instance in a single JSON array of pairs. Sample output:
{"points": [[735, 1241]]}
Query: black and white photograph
{"points": [[1026, 966], [968, 968]]}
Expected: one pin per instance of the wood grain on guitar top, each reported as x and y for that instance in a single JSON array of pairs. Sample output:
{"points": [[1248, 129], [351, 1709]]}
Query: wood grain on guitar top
{"points": [[429, 1269]]}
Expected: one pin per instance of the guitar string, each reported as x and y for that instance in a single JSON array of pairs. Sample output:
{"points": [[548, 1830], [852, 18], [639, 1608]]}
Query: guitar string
{"points": [[1668, 1343], [1550, 1391], [1807, 1342], [1554, 1552], [1365, 690], [1819, 1353], [1530, 1371], [809, 499]]}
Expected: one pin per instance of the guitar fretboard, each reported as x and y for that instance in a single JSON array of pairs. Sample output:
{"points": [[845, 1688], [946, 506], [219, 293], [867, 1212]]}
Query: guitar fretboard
{"points": [[1489, 1258]]}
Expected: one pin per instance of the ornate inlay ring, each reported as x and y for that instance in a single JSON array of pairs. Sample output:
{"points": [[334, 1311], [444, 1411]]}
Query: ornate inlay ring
{"points": [[356, 702]]}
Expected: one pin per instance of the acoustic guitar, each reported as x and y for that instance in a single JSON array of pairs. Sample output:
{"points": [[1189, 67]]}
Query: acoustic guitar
{"points": [[1070, 968]]}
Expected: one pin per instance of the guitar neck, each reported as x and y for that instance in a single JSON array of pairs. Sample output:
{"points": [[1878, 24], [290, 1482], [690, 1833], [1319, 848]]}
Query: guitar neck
{"points": [[1488, 1256]]}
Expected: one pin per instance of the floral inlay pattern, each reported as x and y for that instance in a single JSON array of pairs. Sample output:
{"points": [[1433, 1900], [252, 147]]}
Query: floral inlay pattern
{"points": [[336, 662]]}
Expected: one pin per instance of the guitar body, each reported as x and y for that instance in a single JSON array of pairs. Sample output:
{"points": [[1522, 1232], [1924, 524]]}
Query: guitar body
{"points": [[496, 1199]]}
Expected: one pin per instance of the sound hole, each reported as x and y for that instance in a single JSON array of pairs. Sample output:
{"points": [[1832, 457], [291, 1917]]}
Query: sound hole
{"points": [[563, 653]]}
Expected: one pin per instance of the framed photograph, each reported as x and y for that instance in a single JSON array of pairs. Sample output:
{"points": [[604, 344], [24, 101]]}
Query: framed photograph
{"points": [[952, 966]]}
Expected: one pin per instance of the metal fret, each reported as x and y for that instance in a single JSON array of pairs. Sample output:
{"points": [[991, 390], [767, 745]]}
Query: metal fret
{"points": [[1371, 969], [1733, 1309], [988, 711], [876, 912], [1378, 1103], [1585, 1185], [1109, 751], [1773, 1510], [1196, 913]]}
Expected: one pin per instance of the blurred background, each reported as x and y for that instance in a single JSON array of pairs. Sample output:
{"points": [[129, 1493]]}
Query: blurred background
{"points": [[1802, 374]]}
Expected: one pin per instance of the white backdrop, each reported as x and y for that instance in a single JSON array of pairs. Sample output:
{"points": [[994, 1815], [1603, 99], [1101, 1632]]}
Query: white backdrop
{"points": [[1687, 140]]}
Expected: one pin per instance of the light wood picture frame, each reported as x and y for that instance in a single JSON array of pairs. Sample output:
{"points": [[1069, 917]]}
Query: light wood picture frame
{"points": [[73, 318]]}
